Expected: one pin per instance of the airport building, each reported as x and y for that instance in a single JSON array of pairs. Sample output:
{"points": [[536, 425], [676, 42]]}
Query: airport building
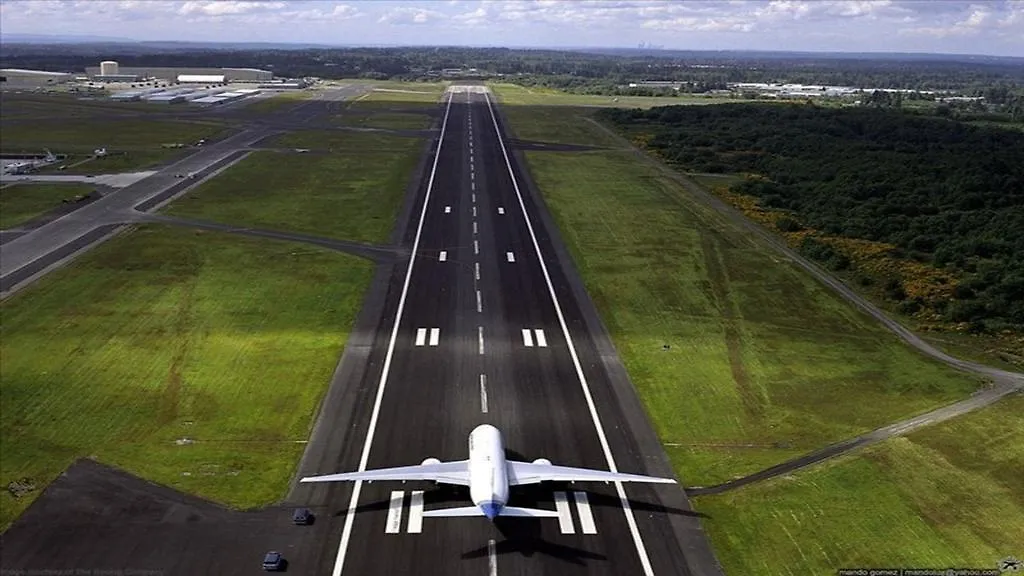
{"points": [[109, 70], [18, 78]]}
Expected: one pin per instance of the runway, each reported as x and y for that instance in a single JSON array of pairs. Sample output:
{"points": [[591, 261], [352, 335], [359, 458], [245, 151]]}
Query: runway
{"points": [[484, 326]]}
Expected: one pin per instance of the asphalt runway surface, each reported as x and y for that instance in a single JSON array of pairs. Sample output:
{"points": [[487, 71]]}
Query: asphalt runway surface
{"points": [[407, 390]]}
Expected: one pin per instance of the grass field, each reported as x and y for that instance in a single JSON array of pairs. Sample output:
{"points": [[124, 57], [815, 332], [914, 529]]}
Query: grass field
{"points": [[390, 120], [20, 203], [515, 95], [278, 101], [153, 337], [352, 195], [949, 495]]}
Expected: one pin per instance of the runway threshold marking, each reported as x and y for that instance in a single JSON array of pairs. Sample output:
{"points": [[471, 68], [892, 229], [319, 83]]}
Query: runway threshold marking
{"points": [[483, 393], [346, 533], [565, 525], [511, 257], [443, 255], [393, 525], [421, 336], [480, 335], [415, 513], [527, 337], [541, 340], [586, 515], [627, 509], [435, 335]]}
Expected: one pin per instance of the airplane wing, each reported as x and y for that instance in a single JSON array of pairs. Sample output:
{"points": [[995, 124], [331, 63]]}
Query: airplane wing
{"points": [[531, 473], [443, 472]]}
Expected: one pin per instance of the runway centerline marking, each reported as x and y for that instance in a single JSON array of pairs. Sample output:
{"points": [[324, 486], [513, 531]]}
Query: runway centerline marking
{"points": [[474, 227], [480, 335], [346, 533], [394, 521], [476, 270], [586, 515], [627, 510], [479, 302], [474, 210], [421, 336], [483, 393], [501, 210], [564, 514], [511, 257], [473, 196], [416, 513], [492, 558], [527, 337], [476, 247], [443, 256], [447, 209]]}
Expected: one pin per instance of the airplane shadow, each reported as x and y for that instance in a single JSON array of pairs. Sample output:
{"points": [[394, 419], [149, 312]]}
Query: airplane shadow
{"points": [[521, 535]]}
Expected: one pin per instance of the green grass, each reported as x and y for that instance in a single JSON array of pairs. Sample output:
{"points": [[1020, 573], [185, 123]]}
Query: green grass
{"points": [[278, 101], [760, 353], [390, 120], [559, 124], [948, 495], [353, 195], [20, 203], [156, 336], [135, 160], [515, 95]]}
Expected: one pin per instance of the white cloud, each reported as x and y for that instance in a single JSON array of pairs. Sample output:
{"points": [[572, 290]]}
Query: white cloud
{"points": [[227, 7], [409, 15]]}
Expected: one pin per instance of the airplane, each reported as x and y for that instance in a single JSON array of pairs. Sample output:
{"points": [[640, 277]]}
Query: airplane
{"points": [[489, 476]]}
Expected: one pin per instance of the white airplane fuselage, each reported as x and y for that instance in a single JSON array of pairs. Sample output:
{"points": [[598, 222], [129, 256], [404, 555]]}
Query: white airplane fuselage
{"points": [[488, 473]]}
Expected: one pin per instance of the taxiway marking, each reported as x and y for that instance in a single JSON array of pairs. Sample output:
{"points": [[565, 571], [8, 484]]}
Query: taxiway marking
{"points": [[346, 533], [564, 513], [627, 510], [416, 513], [443, 255], [435, 335], [586, 516], [510, 257], [483, 393], [394, 521]]}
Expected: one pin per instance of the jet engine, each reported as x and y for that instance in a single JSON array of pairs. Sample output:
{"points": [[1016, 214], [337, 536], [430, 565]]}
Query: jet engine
{"points": [[542, 461], [430, 462]]}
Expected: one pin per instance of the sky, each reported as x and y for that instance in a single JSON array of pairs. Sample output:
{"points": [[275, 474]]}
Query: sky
{"points": [[993, 27]]}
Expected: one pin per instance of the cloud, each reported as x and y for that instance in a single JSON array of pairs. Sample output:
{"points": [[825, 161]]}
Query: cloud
{"points": [[409, 15], [227, 7]]}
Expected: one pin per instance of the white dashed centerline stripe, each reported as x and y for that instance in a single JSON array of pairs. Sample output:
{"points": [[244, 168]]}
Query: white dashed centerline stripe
{"points": [[421, 336], [447, 209], [416, 513], [627, 510], [475, 229], [586, 516], [483, 393], [564, 513], [435, 336], [476, 270], [480, 335], [501, 210], [474, 211], [473, 196], [346, 533], [492, 558], [479, 302], [476, 247], [541, 340], [443, 256], [394, 521], [527, 337], [472, 185], [511, 257]]}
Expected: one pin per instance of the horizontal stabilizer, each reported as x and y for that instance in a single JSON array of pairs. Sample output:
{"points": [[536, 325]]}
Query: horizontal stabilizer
{"points": [[454, 512], [528, 512]]}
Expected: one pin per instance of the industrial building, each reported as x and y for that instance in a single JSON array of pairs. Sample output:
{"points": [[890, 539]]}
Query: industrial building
{"points": [[110, 69], [18, 78]]}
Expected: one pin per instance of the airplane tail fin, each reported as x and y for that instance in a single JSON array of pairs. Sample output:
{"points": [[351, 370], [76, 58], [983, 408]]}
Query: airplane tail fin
{"points": [[453, 512]]}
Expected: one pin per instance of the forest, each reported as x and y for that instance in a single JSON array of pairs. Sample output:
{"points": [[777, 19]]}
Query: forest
{"points": [[942, 199]]}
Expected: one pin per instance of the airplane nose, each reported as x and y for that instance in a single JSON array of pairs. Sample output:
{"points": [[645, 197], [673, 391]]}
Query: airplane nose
{"points": [[491, 509]]}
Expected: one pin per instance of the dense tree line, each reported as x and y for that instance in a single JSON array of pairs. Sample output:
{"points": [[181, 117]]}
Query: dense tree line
{"points": [[940, 191], [569, 70]]}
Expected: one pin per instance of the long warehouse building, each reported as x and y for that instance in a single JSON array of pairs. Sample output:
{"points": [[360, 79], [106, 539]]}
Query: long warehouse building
{"points": [[229, 74]]}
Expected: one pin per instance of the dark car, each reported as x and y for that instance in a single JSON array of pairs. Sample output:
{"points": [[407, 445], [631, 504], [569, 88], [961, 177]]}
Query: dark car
{"points": [[273, 562], [302, 516]]}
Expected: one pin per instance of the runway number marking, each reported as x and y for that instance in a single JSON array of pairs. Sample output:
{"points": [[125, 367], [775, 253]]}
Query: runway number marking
{"points": [[528, 338], [510, 256], [443, 256]]}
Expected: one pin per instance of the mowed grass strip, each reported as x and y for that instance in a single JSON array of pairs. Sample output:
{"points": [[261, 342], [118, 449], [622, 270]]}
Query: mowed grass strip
{"points": [[165, 334], [389, 120], [352, 195], [278, 101], [763, 362], [515, 95], [948, 495], [20, 203]]}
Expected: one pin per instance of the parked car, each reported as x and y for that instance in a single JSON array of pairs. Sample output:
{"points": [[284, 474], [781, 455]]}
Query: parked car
{"points": [[273, 562], [302, 516]]}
